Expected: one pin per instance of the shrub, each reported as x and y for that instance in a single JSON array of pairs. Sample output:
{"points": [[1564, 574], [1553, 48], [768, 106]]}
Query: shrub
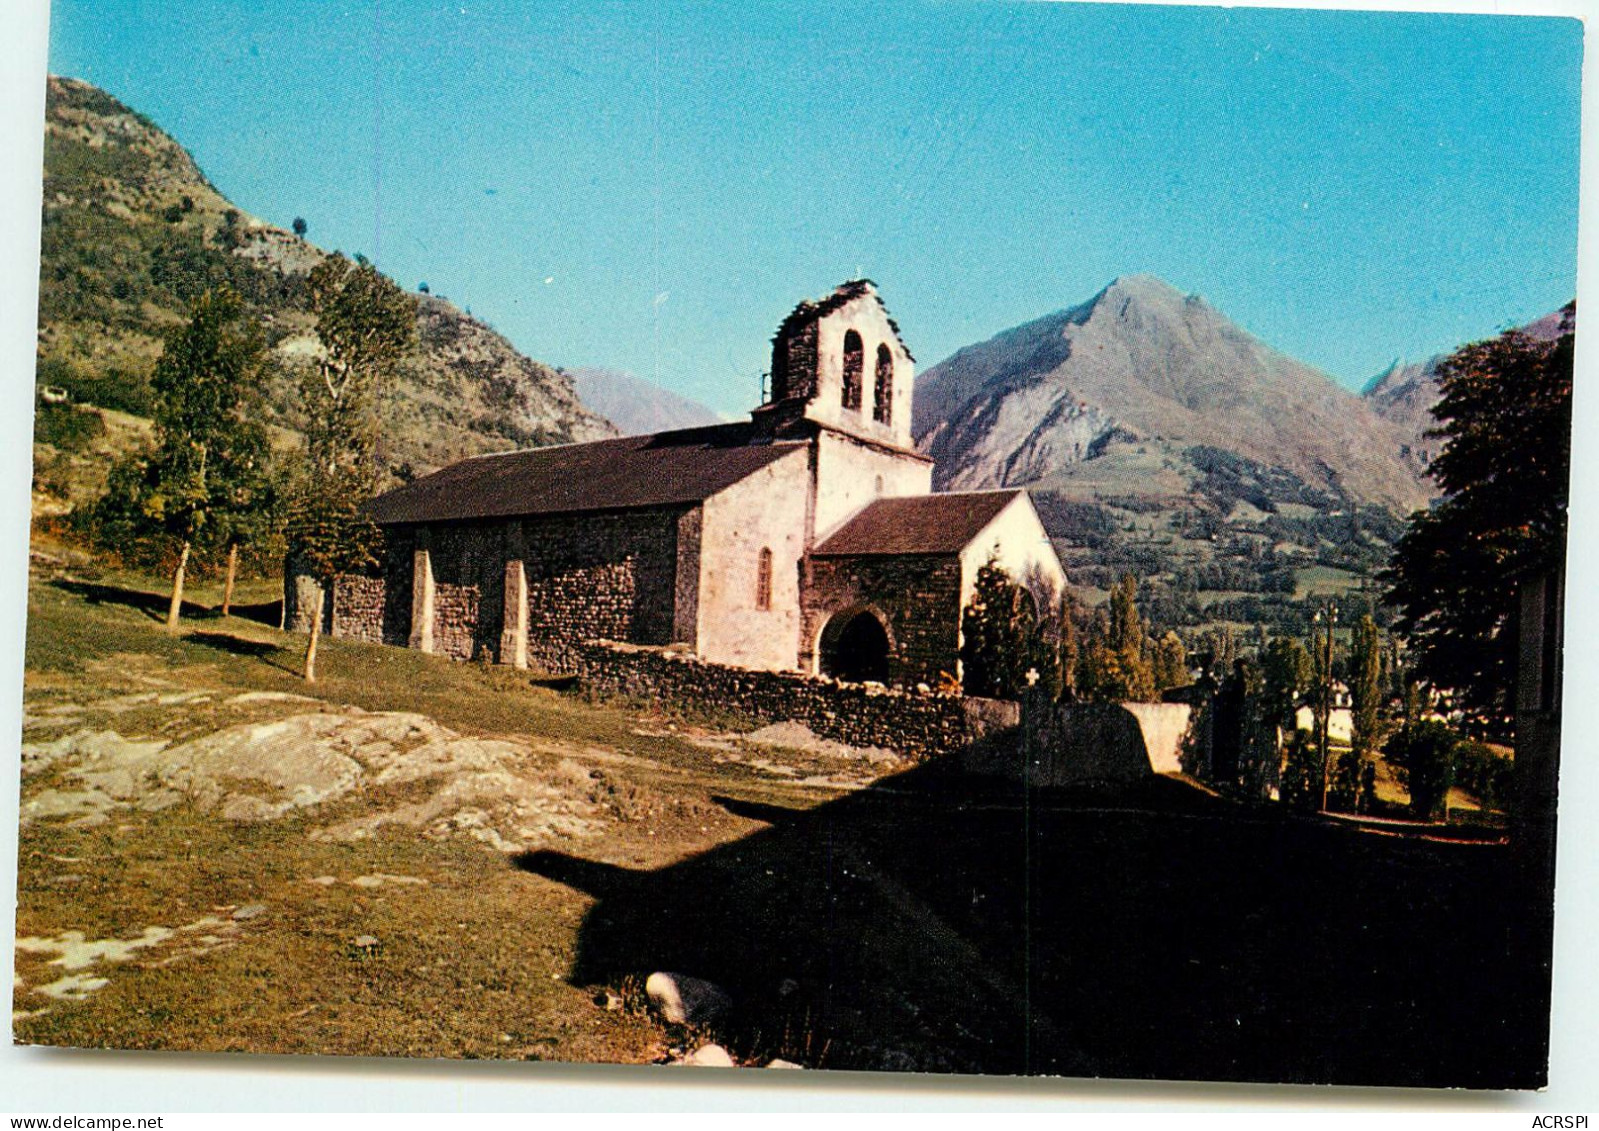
{"points": [[66, 427], [1424, 755]]}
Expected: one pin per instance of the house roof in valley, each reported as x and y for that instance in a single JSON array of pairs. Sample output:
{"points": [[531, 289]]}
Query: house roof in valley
{"points": [[917, 524], [663, 469]]}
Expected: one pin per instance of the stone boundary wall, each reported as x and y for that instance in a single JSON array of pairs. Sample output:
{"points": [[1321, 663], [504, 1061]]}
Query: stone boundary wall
{"points": [[1066, 744], [915, 725]]}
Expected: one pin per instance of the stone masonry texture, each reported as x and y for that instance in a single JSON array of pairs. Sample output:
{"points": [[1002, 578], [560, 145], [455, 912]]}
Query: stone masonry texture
{"points": [[611, 576], [919, 595], [918, 726]]}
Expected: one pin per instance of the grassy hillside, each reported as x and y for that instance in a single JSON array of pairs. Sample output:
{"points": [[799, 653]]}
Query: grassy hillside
{"points": [[133, 232]]}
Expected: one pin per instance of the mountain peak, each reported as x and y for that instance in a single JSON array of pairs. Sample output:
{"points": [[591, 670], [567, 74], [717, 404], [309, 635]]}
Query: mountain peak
{"points": [[1143, 286], [1141, 362]]}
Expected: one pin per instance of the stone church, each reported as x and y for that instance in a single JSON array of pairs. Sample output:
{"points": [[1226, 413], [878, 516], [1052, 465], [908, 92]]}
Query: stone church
{"points": [[803, 539]]}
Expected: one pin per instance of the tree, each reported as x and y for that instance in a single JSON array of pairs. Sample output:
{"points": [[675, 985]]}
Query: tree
{"points": [[1170, 663], [1424, 754], [1366, 695], [1301, 784], [366, 326], [254, 514], [1114, 666], [207, 479], [1505, 417], [1066, 647], [300, 226], [1286, 673], [1000, 637]]}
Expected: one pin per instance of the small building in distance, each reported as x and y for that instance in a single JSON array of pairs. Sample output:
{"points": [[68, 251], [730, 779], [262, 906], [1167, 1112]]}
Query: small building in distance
{"points": [[803, 539]]}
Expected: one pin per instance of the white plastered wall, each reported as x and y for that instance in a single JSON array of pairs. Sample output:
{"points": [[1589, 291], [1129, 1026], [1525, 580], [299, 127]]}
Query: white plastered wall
{"points": [[864, 315], [763, 510], [850, 474], [1024, 552]]}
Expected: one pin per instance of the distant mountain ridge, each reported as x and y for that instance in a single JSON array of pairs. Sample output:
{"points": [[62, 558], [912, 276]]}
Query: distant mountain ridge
{"points": [[1405, 392], [1142, 363], [1160, 439], [636, 406], [133, 232]]}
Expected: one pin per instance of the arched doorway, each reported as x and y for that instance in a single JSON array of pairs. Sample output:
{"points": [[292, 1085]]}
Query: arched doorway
{"points": [[854, 647]]}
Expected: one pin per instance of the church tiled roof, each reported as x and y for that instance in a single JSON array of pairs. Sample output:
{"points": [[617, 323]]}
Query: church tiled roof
{"points": [[917, 524], [665, 469]]}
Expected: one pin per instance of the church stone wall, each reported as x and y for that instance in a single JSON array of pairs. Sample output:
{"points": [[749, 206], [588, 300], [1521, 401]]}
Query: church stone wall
{"points": [[456, 616], [918, 596], [917, 726], [611, 576], [358, 608]]}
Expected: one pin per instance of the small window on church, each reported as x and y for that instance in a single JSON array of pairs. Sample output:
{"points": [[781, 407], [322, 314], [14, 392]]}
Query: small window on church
{"points": [[854, 366], [763, 580], [883, 390]]}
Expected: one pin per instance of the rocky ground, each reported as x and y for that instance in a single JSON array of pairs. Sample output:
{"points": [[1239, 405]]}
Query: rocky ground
{"points": [[215, 856]]}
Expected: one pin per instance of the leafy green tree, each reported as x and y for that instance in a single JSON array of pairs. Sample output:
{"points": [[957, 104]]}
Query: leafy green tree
{"points": [[1170, 663], [1301, 781], [1484, 774], [366, 325], [254, 516], [207, 481], [1286, 673], [300, 226], [1115, 664], [1505, 417]]}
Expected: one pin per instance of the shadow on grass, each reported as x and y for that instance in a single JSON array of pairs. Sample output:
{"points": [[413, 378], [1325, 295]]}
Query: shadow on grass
{"points": [[262, 650], [153, 605], [936, 923], [269, 613]]}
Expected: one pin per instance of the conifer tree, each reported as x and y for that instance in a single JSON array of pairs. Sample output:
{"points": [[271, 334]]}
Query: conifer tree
{"points": [[1365, 687], [1000, 637]]}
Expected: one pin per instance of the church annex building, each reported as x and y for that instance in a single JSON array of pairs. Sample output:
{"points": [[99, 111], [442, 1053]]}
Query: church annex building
{"points": [[804, 539]]}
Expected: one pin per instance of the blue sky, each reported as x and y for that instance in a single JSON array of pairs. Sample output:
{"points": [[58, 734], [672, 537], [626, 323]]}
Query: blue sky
{"points": [[652, 186]]}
